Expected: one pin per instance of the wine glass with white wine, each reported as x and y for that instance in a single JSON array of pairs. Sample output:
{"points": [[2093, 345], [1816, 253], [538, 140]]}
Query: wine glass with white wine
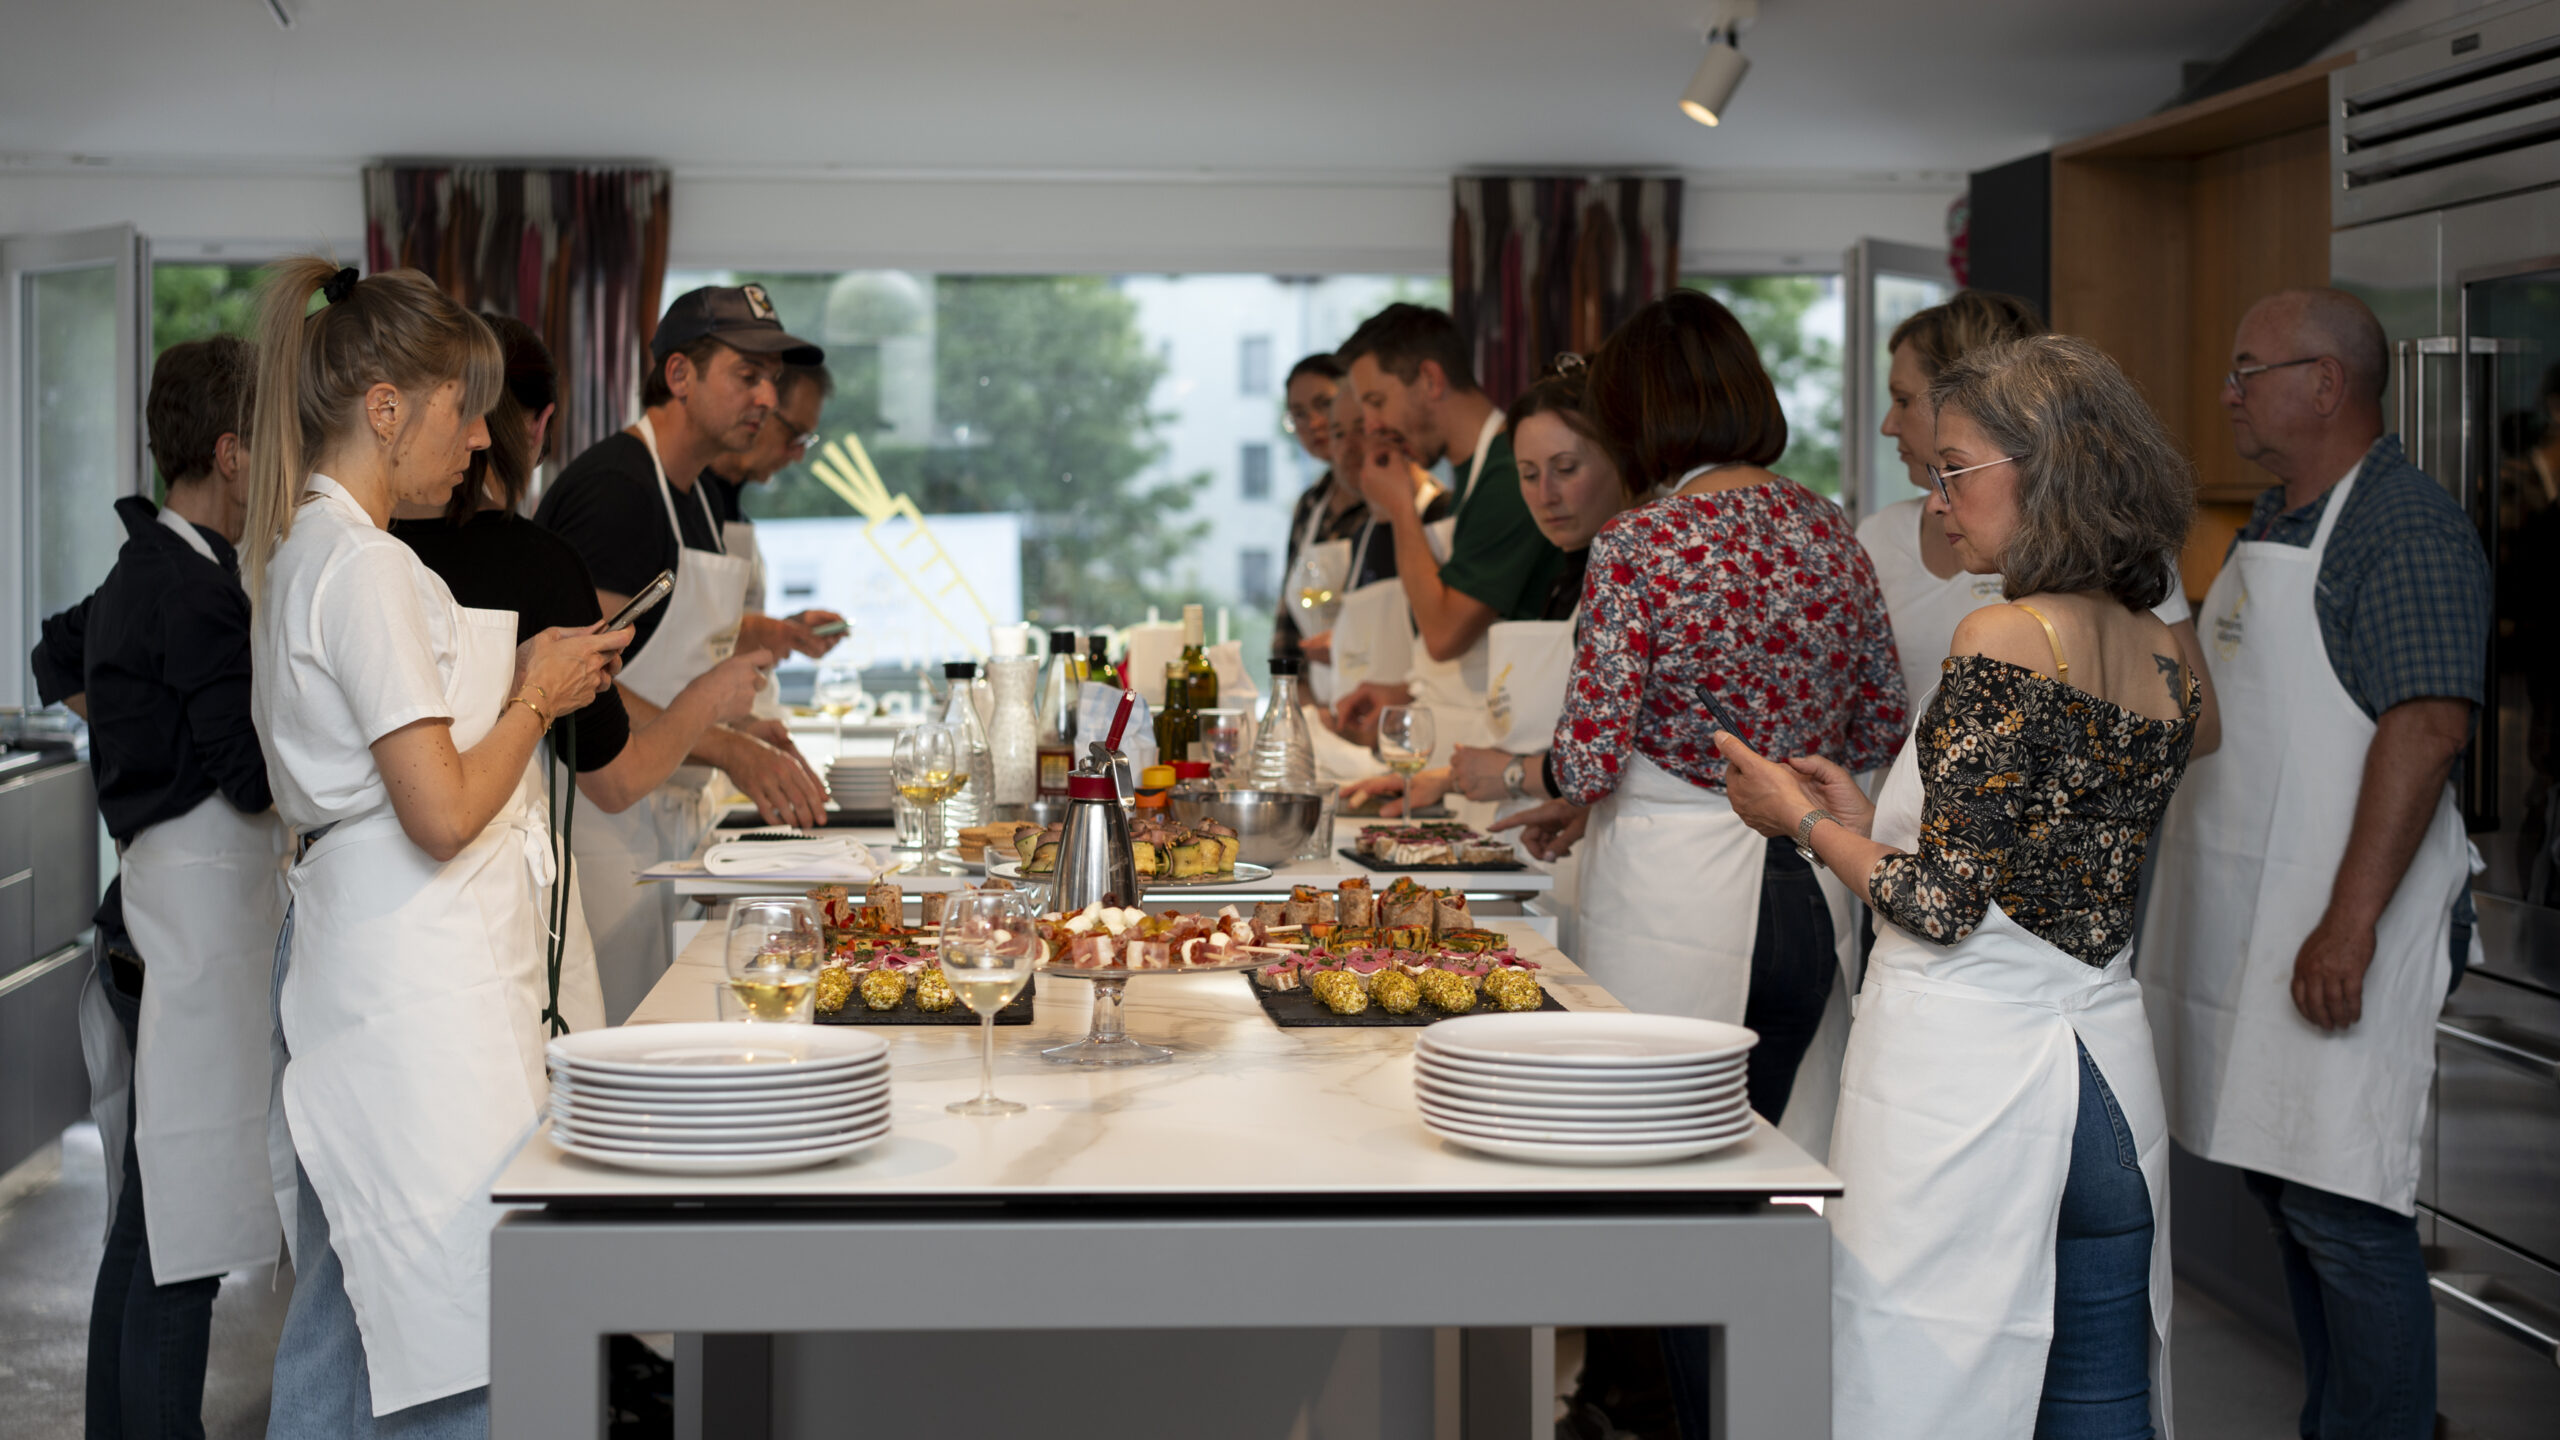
{"points": [[1404, 744], [925, 765], [990, 947], [772, 959]]}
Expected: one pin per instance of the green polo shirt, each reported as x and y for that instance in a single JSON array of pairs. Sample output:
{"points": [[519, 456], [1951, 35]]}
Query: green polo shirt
{"points": [[1497, 556]]}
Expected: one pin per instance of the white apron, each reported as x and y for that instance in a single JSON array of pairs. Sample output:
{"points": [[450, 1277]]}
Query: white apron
{"points": [[1455, 689], [1323, 567], [412, 1003], [1373, 629], [1670, 903], [1531, 661], [738, 537], [632, 923], [1958, 1100], [2247, 859]]}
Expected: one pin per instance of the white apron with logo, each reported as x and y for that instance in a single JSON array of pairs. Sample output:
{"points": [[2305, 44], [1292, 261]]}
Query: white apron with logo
{"points": [[2247, 859], [1531, 661], [1958, 1100], [1373, 630], [738, 537], [412, 1003], [632, 923], [1455, 689]]}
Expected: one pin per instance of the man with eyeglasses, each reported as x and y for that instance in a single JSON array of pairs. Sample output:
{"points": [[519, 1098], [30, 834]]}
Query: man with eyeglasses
{"points": [[790, 430], [2311, 906]]}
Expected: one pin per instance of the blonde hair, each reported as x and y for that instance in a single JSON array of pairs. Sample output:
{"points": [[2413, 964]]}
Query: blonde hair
{"points": [[1943, 334], [2104, 497], [314, 367]]}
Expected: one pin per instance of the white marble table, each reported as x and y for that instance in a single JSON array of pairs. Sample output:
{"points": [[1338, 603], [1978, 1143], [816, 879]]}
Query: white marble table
{"points": [[1262, 1178]]}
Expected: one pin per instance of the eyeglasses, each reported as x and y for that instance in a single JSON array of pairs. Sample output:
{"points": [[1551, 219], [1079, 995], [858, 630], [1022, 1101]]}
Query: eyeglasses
{"points": [[1566, 363], [2237, 379], [808, 441], [1940, 477]]}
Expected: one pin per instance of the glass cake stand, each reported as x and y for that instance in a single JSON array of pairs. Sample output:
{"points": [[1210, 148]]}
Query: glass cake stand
{"points": [[1109, 1043]]}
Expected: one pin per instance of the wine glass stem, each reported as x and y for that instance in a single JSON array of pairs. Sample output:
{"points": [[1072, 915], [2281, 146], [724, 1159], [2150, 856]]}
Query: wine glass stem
{"points": [[1107, 996], [987, 1057], [933, 829]]}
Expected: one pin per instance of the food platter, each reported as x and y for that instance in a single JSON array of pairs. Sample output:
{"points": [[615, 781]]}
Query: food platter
{"points": [[1122, 972], [1246, 872], [1371, 862]]}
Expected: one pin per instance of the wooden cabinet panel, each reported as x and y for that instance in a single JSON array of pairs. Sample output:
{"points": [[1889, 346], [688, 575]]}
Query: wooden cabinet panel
{"points": [[2261, 224]]}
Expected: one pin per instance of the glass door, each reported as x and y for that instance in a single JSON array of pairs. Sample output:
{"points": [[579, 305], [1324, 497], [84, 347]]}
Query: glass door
{"points": [[2509, 429], [1887, 283], [74, 358]]}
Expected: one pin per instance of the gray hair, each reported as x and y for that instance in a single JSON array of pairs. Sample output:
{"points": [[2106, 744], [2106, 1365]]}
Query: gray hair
{"points": [[2103, 496], [2343, 328]]}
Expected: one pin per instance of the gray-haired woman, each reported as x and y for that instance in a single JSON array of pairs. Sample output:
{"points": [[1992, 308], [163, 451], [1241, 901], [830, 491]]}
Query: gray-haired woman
{"points": [[2001, 1130]]}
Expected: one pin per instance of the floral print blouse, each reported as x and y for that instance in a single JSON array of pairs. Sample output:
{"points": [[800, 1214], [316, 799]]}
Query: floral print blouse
{"points": [[1755, 608], [2039, 796]]}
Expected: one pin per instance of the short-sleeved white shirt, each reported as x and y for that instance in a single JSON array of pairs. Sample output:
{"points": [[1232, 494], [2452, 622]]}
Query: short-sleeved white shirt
{"points": [[353, 639], [1925, 610]]}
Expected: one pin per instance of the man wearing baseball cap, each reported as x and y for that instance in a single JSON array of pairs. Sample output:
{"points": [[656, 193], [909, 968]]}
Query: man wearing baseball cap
{"points": [[633, 506]]}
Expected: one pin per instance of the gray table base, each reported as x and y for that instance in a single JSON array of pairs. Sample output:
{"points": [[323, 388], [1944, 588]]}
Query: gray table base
{"points": [[560, 1281]]}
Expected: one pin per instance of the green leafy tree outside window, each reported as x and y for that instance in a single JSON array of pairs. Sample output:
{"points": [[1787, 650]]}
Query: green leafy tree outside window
{"points": [[1042, 386], [1804, 365]]}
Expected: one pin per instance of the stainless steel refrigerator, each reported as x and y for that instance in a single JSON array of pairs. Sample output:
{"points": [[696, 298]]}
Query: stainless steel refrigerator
{"points": [[2446, 157]]}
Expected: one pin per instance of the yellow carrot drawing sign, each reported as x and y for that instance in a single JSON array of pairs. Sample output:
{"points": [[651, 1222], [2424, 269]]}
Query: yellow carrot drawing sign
{"points": [[916, 556]]}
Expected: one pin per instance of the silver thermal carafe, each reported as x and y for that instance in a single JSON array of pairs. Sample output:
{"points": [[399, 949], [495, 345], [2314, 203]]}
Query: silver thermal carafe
{"points": [[1095, 861]]}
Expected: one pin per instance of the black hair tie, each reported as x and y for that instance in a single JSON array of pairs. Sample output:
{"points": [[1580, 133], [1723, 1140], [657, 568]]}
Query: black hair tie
{"points": [[339, 286]]}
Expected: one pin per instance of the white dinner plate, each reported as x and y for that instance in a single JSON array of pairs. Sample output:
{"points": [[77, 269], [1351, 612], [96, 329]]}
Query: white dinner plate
{"points": [[714, 1102], [1483, 1104], [776, 1115], [657, 1136], [663, 1164], [1548, 1136], [727, 1051], [714, 1090], [1589, 1130], [739, 1147], [1582, 1039], [1619, 1079], [1546, 1154], [648, 1109], [1539, 1092]]}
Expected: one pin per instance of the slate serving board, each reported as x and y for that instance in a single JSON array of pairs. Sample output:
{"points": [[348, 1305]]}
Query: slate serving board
{"points": [[1468, 866], [1298, 1010]]}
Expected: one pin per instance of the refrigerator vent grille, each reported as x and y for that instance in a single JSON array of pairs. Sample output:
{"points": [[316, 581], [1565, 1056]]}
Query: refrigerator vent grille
{"points": [[2454, 114]]}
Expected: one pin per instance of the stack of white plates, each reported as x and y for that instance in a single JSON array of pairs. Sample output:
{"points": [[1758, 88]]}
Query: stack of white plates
{"points": [[1584, 1088], [860, 782], [710, 1099]]}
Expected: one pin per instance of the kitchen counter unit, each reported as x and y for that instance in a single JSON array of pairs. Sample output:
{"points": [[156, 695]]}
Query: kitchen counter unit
{"points": [[1263, 1178]]}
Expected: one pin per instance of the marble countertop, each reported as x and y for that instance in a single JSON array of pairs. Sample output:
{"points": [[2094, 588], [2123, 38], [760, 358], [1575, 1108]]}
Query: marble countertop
{"points": [[692, 881], [1245, 1110]]}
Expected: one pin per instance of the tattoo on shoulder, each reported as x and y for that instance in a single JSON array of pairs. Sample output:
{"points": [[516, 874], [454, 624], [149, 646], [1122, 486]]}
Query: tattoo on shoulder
{"points": [[2171, 670]]}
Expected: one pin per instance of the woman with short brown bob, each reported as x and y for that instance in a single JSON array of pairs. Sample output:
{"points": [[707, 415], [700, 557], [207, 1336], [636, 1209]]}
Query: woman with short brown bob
{"points": [[1738, 601], [2001, 1132]]}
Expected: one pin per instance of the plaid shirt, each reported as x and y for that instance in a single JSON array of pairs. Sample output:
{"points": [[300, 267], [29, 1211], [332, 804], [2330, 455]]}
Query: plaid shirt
{"points": [[2403, 591]]}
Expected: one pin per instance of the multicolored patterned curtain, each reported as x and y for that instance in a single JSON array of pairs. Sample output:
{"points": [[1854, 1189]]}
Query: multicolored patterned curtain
{"points": [[1542, 264], [578, 254]]}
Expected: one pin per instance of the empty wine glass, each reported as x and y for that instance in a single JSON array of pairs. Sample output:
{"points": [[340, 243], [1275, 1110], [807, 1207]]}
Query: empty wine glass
{"points": [[1222, 735], [1404, 744], [836, 691], [925, 765], [990, 947], [771, 957]]}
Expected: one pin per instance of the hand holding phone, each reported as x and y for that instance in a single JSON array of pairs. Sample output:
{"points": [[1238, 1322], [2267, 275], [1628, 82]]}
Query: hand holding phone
{"points": [[651, 596]]}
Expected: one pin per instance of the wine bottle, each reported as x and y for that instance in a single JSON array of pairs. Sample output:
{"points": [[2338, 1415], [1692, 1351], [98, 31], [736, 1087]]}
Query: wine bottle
{"points": [[1195, 662], [1177, 725], [1057, 736]]}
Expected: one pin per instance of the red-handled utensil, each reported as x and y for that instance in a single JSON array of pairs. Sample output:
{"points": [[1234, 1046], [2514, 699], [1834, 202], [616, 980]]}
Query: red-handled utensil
{"points": [[1120, 717]]}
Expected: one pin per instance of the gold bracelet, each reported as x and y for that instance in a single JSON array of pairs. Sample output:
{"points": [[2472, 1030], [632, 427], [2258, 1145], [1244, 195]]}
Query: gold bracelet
{"points": [[539, 718]]}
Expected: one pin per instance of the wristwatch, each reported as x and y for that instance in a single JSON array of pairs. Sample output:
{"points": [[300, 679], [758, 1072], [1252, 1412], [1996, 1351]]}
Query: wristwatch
{"points": [[1804, 830], [1512, 774]]}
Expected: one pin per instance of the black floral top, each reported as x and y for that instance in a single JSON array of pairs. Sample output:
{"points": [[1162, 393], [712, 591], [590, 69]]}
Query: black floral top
{"points": [[2039, 796]]}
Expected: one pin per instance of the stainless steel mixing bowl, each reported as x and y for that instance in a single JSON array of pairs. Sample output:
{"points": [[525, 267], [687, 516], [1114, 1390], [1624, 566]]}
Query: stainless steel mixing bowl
{"points": [[1270, 825]]}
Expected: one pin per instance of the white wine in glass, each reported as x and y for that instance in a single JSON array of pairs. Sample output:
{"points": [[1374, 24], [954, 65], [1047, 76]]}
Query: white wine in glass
{"points": [[925, 766], [1404, 744], [990, 946], [775, 996], [771, 958]]}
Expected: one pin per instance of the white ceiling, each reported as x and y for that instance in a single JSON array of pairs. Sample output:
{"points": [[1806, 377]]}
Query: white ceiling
{"points": [[1330, 87]]}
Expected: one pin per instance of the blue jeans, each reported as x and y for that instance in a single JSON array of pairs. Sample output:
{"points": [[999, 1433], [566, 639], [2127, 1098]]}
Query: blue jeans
{"points": [[2362, 1309], [147, 1341], [2097, 1375]]}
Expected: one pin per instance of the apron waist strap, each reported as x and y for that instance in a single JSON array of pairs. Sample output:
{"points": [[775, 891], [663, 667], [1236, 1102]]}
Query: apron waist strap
{"points": [[2116, 976]]}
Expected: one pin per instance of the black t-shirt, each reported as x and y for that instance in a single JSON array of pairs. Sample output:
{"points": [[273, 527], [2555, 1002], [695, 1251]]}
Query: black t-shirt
{"points": [[501, 561], [728, 497], [607, 505]]}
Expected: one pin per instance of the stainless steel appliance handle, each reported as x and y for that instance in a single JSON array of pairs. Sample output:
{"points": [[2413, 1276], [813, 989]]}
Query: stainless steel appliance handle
{"points": [[2462, 1302], [2539, 1061]]}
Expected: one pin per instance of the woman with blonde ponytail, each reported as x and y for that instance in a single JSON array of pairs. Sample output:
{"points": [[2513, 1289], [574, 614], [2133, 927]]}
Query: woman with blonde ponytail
{"points": [[398, 727]]}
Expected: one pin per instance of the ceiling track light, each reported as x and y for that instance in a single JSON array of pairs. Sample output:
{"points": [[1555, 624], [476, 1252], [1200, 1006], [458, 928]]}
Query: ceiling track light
{"points": [[1711, 90]]}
